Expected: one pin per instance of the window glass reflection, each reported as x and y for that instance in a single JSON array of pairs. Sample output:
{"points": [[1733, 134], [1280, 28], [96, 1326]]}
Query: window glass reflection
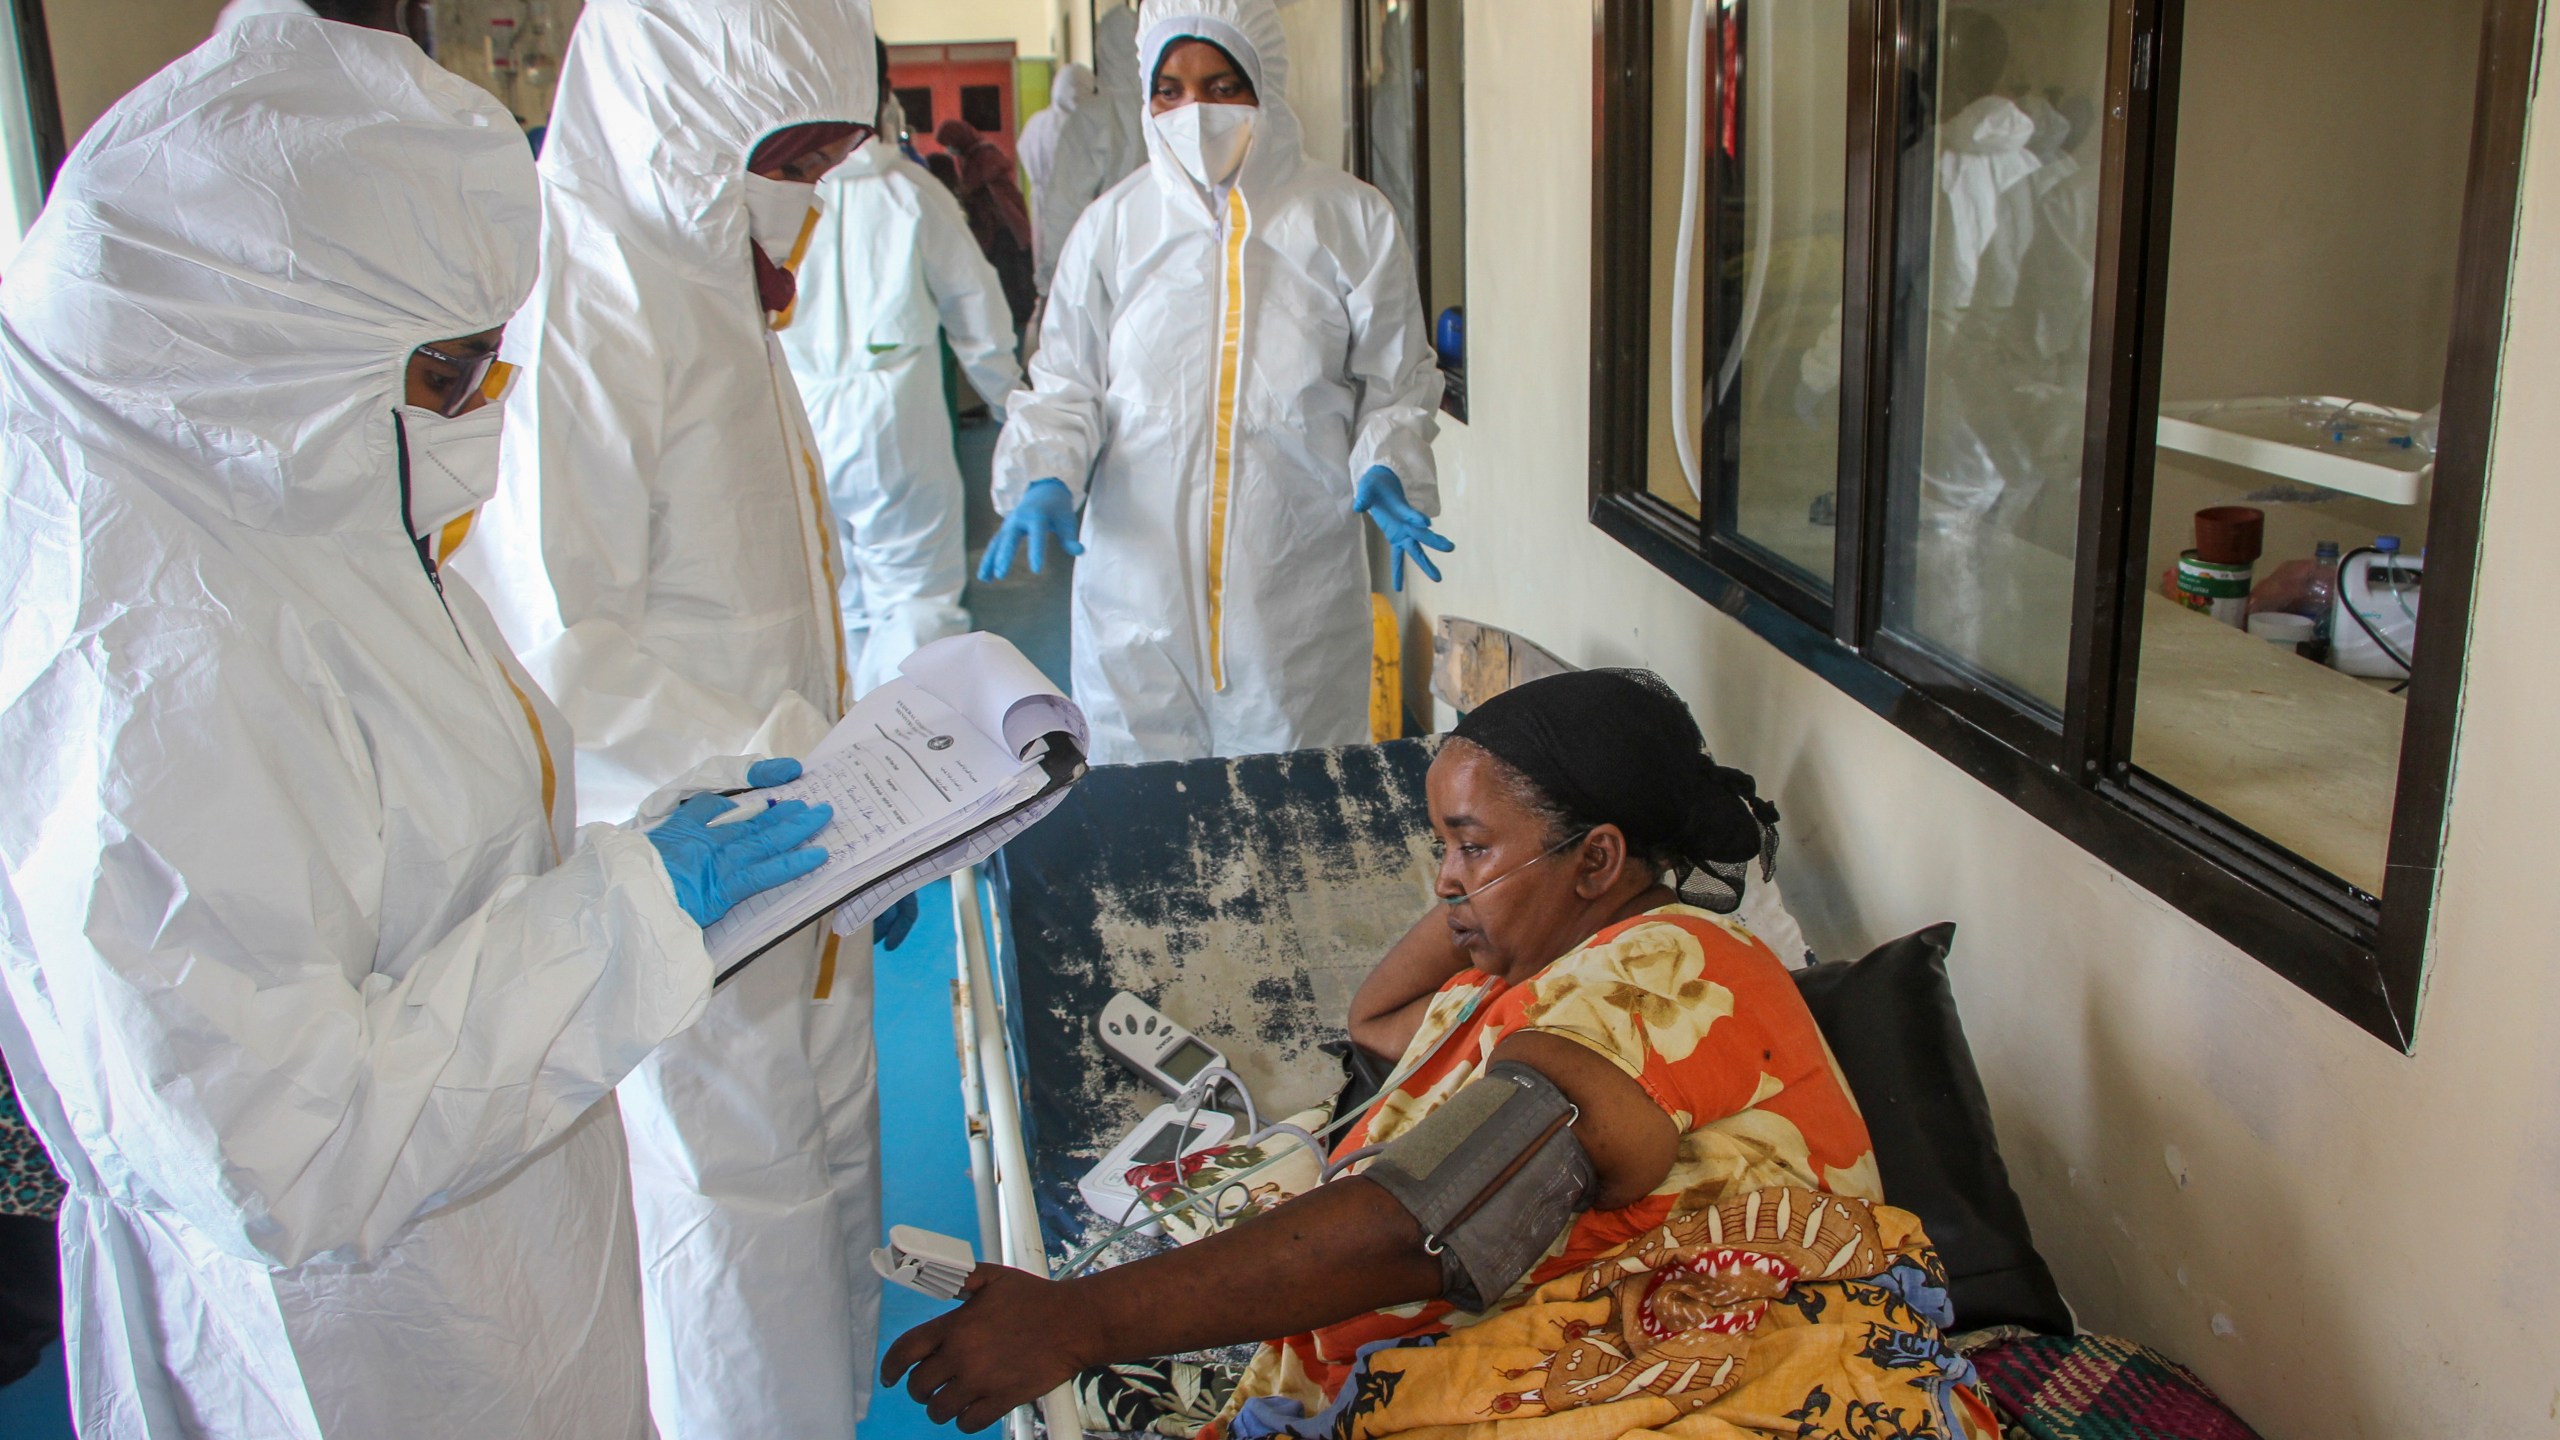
{"points": [[1671, 324], [1413, 148], [2303, 352], [1388, 87], [1780, 157], [1445, 141], [1995, 271]]}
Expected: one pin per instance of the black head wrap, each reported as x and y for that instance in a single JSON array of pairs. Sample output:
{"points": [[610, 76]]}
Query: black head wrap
{"points": [[1618, 747]]}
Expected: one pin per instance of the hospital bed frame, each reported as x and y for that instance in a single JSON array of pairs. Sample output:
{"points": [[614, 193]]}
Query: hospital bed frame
{"points": [[1248, 898], [999, 1151]]}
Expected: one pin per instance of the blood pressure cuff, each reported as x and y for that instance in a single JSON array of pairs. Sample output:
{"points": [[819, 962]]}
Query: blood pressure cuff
{"points": [[1493, 1176]]}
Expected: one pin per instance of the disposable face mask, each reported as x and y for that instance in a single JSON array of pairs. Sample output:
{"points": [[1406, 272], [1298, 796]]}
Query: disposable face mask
{"points": [[1209, 140], [453, 464], [777, 213]]}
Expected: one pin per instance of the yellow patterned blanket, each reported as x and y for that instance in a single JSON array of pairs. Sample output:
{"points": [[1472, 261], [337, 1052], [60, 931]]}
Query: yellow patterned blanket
{"points": [[1782, 1312]]}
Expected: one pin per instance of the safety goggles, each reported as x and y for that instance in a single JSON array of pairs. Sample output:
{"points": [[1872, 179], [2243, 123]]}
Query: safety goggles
{"points": [[795, 154], [479, 375], [1558, 848]]}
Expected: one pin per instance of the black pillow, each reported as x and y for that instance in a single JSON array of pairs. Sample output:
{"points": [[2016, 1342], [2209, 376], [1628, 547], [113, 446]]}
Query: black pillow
{"points": [[30, 1293], [1891, 1021]]}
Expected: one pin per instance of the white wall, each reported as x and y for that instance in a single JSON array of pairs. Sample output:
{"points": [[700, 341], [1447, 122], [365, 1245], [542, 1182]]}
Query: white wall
{"points": [[104, 48], [100, 51], [1036, 27], [2346, 1241], [1079, 32], [1320, 74], [1064, 28]]}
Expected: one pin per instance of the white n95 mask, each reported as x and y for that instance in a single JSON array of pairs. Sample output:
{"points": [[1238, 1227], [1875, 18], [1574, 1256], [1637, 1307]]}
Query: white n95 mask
{"points": [[453, 464], [779, 213], [1209, 141]]}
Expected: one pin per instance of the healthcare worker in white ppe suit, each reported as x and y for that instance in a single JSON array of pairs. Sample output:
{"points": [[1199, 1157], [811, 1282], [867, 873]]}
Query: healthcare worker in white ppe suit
{"points": [[312, 989], [1097, 145], [664, 558], [1234, 369], [1037, 146], [889, 270]]}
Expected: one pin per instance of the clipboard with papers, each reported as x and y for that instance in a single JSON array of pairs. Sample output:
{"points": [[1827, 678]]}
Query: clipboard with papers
{"points": [[931, 772]]}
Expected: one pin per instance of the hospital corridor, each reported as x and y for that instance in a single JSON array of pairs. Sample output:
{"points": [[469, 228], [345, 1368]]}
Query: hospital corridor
{"points": [[1278, 719]]}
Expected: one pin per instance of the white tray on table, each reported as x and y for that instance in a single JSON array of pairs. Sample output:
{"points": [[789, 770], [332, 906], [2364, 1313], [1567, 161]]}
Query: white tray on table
{"points": [[2349, 446]]}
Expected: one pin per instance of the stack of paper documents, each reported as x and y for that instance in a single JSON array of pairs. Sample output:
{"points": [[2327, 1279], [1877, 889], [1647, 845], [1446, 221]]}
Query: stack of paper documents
{"points": [[935, 770]]}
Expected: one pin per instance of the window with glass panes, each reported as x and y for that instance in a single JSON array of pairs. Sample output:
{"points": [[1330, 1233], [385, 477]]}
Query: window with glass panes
{"points": [[2099, 390], [1409, 67]]}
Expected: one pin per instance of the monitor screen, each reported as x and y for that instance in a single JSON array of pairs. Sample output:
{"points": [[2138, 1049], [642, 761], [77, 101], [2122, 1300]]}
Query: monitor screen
{"points": [[1188, 1059], [1167, 1143]]}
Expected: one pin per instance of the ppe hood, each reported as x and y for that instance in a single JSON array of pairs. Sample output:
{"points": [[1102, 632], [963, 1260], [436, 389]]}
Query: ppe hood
{"points": [[223, 292], [1250, 31], [661, 101], [1073, 87]]}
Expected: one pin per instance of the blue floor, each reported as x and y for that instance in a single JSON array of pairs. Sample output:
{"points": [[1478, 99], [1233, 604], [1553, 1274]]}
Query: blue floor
{"points": [[39, 1406], [924, 1147]]}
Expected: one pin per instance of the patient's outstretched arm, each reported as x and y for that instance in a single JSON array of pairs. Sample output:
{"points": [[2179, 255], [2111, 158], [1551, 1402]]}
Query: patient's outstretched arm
{"points": [[1327, 1255], [1335, 1252]]}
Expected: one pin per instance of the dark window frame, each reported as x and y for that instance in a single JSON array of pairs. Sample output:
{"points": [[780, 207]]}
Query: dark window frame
{"points": [[2361, 956], [991, 99], [44, 97], [921, 124], [1453, 397]]}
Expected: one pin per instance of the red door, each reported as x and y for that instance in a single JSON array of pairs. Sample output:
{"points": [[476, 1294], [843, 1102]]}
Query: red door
{"points": [[972, 81]]}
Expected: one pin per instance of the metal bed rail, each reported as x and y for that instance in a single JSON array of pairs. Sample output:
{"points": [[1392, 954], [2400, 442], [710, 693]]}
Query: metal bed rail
{"points": [[999, 1157]]}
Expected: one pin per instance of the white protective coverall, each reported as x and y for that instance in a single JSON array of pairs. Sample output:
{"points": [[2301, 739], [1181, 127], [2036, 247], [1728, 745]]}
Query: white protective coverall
{"points": [[1222, 607], [663, 555], [889, 269], [1097, 146], [1036, 148], [310, 989]]}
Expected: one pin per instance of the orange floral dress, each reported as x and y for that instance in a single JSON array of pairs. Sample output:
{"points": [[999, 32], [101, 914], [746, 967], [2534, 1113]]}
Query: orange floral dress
{"points": [[1763, 1288]]}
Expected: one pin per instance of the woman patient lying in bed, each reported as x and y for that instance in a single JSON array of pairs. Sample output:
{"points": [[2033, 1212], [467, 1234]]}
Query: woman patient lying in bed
{"points": [[1617, 1184]]}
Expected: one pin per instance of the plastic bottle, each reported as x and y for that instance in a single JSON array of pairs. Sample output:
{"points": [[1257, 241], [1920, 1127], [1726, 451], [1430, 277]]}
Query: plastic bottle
{"points": [[2303, 587], [2319, 598]]}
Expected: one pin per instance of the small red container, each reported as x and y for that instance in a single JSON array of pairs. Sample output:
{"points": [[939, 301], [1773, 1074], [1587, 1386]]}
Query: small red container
{"points": [[2230, 534]]}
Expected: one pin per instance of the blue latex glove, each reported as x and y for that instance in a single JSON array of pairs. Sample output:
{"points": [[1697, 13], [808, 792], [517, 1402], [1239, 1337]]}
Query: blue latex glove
{"points": [[896, 923], [1047, 512], [1380, 496], [716, 866]]}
